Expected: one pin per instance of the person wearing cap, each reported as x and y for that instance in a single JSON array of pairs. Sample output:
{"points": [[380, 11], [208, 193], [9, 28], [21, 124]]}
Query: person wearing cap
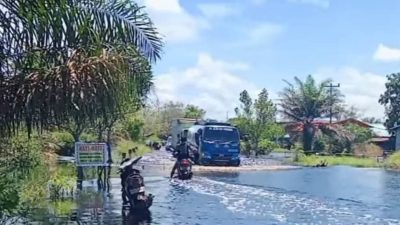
{"points": [[180, 153]]}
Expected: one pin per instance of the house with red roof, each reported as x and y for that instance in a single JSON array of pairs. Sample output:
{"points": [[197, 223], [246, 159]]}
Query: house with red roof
{"points": [[381, 137]]}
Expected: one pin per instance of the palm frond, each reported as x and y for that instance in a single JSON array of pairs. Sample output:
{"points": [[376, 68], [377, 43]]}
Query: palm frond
{"points": [[124, 21]]}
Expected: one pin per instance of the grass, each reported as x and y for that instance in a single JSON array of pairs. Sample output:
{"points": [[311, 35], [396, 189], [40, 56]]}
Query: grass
{"points": [[339, 160], [280, 150], [123, 146]]}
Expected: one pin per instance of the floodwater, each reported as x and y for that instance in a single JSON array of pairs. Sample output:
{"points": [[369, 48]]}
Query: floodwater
{"points": [[333, 195]]}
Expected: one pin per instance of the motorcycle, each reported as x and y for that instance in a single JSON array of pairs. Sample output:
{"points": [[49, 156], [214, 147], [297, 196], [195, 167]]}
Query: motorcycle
{"points": [[133, 186], [169, 148], [185, 169]]}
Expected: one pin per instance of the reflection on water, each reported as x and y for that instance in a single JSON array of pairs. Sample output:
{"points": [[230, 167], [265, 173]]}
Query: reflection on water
{"points": [[336, 195], [142, 218]]}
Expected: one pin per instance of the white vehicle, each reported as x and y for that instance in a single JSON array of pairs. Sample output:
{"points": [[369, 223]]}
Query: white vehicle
{"points": [[178, 127]]}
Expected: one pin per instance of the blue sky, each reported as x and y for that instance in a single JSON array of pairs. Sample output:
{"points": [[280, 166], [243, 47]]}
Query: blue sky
{"points": [[216, 48]]}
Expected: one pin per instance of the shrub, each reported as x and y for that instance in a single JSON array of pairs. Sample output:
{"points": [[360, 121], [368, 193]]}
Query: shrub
{"points": [[20, 152], [298, 154], [88, 137], [134, 128], [64, 142], [18, 156], [266, 146], [394, 161], [319, 145], [9, 198], [367, 150], [245, 147]]}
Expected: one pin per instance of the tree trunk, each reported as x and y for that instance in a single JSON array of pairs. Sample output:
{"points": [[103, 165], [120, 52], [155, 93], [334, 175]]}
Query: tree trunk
{"points": [[100, 134], [109, 145], [308, 136]]}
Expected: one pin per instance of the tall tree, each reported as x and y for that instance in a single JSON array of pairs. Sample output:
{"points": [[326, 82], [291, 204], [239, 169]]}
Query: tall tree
{"points": [[303, 102], [391, 99], [253, 119], [194, 112], [63, 61]]}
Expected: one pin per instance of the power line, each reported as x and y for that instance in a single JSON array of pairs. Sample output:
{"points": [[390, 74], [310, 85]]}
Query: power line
{"points": [[331, 86]]}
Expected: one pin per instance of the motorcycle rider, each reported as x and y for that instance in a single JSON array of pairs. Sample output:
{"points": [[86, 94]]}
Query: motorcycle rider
{"points": [[180, 153], [123, 176]]}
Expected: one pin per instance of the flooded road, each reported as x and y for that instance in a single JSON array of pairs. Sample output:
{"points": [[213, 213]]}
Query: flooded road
{"points": [[335, 195]]}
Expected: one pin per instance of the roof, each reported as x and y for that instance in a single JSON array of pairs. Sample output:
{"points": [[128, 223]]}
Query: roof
{"points": [[379, 130], [379, 139], [356, 121]]}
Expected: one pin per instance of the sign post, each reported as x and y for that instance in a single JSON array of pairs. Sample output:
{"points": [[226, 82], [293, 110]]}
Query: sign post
{"points": [[91, 154]]}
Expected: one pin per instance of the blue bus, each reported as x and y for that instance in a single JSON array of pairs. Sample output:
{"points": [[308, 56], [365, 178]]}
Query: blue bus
{"points": [[213, 143]]}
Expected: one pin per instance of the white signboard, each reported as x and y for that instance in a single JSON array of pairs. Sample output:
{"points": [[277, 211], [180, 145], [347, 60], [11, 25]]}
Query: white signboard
{"points": [[91, 154]]}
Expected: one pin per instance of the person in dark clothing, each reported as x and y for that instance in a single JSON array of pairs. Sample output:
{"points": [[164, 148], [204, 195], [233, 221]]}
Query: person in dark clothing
{"points": [[123, 177], [180, 153]]}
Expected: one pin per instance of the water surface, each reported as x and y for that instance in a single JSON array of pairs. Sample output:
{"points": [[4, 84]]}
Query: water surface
{"points": [[334, 195]]}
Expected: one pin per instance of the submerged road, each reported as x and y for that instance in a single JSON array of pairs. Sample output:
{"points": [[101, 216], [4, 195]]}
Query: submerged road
{"points": [[333, 195]]}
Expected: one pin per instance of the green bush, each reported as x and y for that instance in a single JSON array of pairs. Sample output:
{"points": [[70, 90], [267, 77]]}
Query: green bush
{"points": [[394, 161], [298, 153], [134, 128], [266, 146], [88, 137], [245, 147], [19, 156], [65, 141], [20, 152], [9, 198], [319, 145]]}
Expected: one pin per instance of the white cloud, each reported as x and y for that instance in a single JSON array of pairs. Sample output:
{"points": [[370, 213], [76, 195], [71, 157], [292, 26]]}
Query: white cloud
{"points": [[320, 3], [361, 89], [258, 2], [218, 10], [264, 32], [211, 84], [387, 54], [173, 21]]}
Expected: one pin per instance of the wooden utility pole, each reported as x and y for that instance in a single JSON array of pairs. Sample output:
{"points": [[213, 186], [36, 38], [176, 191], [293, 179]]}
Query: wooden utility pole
{"points": [[331, 86]]}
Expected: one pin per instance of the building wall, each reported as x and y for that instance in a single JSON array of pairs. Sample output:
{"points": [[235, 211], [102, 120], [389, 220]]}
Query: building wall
{"points": [[397, 145]]}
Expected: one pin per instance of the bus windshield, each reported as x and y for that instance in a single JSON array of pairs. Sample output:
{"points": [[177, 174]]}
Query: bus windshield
{"points": [[225, 134]]}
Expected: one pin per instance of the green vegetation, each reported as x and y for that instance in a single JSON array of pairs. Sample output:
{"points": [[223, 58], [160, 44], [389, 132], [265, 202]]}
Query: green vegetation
{"points": [[125, 145], [313, 160], [157, 118], [356, 141], [194, 112], [305, 101], [390, 99], [29, 175], [280, 150], [394, 161], [75, 86], [256, 122]]}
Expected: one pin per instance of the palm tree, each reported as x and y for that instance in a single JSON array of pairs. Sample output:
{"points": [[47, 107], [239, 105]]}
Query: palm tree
{"points": [[303, 102], [194, 112], [63, 60]]}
